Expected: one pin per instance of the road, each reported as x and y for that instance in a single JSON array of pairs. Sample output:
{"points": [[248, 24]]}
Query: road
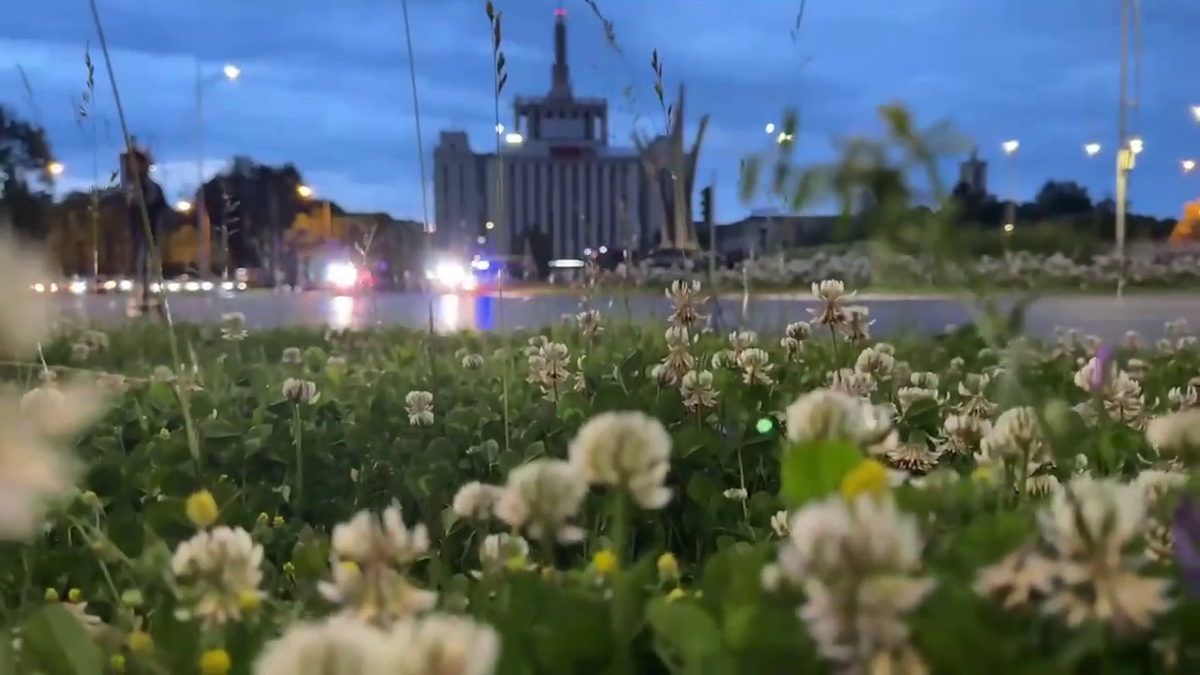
{"points": [[1106, 317]]}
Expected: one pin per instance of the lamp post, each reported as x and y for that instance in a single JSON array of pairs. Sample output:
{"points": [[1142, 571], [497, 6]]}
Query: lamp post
{"points": [[229, 73], [1010, 212], [1127, 146]]}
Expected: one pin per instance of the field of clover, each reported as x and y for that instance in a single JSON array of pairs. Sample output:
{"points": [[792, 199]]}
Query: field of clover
{"points": [[597, 497]]}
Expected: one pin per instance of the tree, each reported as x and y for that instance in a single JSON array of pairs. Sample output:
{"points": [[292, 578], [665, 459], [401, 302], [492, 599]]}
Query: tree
{"points": [[256, 203], [25, 172], [1062, 199]]}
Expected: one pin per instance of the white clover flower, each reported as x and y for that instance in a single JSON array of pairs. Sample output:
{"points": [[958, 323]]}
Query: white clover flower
{"points": [[1177, 433], [336, 646], [218, 572], [34, 470], [626, 450], [419, 406], [475, 500], [1157, 483], [858, 563], [541, 497], [738, 495], [291, 356], [779, 524], [503, 550], [369, 559], [1089, 527], [472, 361], [444, 644], [826, 414], [233, 326], [832, 295], [696, 388], [300, 391]]}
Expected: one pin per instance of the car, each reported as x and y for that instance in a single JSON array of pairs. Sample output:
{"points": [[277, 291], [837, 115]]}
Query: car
{"points": [[346, 277]]}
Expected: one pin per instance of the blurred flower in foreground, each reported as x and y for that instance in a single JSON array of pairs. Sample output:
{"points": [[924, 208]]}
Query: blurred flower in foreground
{"points": [[25, 317]]}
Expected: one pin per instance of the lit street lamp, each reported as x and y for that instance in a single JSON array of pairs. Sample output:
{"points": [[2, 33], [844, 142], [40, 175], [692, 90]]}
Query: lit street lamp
{"points": [[1010, 151], [770, 128], [304, 191], [1188, 165], [1196, 113], [183, 206], [229, 73], [55, 168], [1091, 149]]}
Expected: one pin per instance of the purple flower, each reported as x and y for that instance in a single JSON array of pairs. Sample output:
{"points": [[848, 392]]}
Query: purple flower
{"points": [[1103, 355], [1185, 535]]}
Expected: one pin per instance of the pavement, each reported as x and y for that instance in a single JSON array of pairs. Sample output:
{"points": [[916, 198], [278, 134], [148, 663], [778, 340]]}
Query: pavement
{"points": [[1107, 317]]}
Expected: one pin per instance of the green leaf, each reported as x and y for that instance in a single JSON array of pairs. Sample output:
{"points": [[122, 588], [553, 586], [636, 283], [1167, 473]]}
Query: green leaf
{"points": [[813, 471], [56, 642], [685, 628]]}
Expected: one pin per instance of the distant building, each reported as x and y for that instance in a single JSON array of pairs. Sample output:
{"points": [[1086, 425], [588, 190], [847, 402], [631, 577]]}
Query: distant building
{"points": [[561, 178], [771, 233], [973, 173]]}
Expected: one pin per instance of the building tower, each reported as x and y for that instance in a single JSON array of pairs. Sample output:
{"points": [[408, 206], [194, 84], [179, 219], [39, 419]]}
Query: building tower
{"points": [[973, 173]]}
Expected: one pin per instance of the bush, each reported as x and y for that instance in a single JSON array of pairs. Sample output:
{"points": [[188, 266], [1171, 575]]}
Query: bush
{"points": [[827, 499]]}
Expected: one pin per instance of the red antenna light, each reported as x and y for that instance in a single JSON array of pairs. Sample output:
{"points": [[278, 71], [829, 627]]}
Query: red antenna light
{"points": [[560, 12]]}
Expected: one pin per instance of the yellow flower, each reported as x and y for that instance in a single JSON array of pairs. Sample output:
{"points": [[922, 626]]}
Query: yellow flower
{"points": [[278, 521], [263, 520], [214, 662], [248, 601], [139, 642], [604, 562], [75, 595], [676, 593], [116, 663], [349, 567], [201, 509], [50, 595], [984, 474], [668, 567], [869, 477], [289, 569]]}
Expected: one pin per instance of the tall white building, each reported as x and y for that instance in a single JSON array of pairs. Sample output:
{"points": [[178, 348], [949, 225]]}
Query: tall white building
{"points": [[554, 173]]}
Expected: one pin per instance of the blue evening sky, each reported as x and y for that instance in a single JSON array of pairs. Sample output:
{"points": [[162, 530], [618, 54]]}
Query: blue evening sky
{"points": [[326, 84]]}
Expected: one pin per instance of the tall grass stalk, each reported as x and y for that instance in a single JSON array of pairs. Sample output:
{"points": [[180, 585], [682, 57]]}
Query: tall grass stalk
{"points": [[152, 254], [499, 79]]}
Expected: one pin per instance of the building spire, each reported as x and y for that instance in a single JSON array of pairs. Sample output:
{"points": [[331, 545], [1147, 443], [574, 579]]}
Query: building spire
{"points": [[560, 74]]}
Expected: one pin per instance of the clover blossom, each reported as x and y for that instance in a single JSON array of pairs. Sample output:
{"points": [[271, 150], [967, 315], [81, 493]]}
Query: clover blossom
{"points": [[541, 497], [218, 572], [827, 414], [686, 303], [419, 406], [696, 388], [858, 563], [548, 367], [233, 326], [301, 392], [831, 293], [475, 500], [34, 468], [626, 450], [335, 646], [503, 550], [369, 558], [1087, 569], [444, 644]]}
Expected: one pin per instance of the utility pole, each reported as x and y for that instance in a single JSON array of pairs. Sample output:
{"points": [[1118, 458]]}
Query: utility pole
{"points": [[1127, 146]]}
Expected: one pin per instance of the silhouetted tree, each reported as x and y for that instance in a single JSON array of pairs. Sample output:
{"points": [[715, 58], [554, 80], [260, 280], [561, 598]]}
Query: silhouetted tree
{"points": [[25, 161], [259, 203]]}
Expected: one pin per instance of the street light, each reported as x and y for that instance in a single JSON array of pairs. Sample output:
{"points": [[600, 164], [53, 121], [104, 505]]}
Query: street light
{"points": [[770, 128], [229, 73], [514, 139], [1010, 210], [55, 168], [1188, 165], [183, 206], [1196, 112], [304, 191], [1092, 149]]}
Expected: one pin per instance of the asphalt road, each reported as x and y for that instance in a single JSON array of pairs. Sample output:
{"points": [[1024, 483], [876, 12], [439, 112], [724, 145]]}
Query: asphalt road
{"points": [[1107, 317]]}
